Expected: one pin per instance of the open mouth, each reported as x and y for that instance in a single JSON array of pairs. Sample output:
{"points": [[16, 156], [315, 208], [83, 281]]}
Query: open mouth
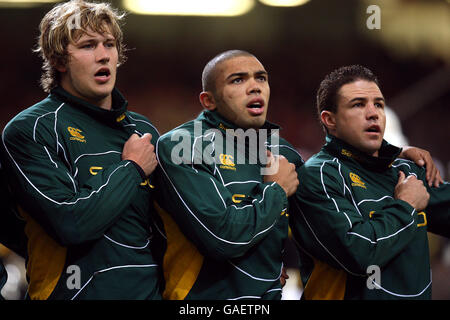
{"points": [[103, 72], [102, 75], [256, 106], [373, 129]]}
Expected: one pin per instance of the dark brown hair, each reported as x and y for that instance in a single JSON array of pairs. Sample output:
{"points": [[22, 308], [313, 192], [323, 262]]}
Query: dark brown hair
{"points": [[327, 94]]}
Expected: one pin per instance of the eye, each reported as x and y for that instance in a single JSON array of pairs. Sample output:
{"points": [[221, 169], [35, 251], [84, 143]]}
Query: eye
{"points": [[237, 80], [261, 78], [87, 46], [358, 104], [379, 105], [110, 44]]}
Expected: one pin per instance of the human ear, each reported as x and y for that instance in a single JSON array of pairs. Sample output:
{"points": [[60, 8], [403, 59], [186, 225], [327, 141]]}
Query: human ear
{"points": [[207, 100], [59, 66], [328, 119]]}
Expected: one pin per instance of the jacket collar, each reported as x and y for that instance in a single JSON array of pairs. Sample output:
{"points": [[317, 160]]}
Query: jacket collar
{"points": [[215, 120], [386, 155], [219, 122], [119, 105]]}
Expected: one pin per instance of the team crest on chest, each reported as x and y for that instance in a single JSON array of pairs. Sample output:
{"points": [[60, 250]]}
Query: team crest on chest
{"points": [[356, 181], [76, 134], [227, 162]]}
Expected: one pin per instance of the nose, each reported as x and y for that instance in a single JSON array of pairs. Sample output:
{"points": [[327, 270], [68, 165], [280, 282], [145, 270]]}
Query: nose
{"points": [[102, 54], [372, 112], [254, 86]]}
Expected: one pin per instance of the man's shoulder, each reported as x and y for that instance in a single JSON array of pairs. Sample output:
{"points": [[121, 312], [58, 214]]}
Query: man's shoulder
{"points": [[143, 122], [319, 159], [181, 137], [408, 166], [320, 171], [287, 150], [137, 116], [25, 121], [190, 129], [319, 163]]}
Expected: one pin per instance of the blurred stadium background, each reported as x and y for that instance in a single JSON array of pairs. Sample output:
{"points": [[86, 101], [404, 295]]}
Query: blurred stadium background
{"points": [[298, 45]]}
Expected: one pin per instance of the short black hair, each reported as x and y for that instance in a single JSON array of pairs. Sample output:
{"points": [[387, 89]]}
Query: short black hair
{"points": [[209, 71], [326, 98]]}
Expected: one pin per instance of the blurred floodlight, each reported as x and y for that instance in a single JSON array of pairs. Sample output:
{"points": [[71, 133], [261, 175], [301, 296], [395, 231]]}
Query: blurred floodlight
{"points": [[190, 8], [284, 3], [24, 3]]}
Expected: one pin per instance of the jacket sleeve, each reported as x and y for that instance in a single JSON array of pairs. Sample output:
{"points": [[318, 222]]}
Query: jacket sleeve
{"points": [[438, 210], [326, 223], [202, 206], [41, 178]]}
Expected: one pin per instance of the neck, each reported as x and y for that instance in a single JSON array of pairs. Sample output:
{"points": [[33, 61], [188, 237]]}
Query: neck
{"points": [[366, 151], [104, 102]]}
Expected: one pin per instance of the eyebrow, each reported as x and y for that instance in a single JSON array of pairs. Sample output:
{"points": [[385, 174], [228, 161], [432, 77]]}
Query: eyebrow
{"points": [[242, 74], [89, 37], [364, 99]]}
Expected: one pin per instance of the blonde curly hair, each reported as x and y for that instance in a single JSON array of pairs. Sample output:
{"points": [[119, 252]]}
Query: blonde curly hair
{"points": [[65, 24]]}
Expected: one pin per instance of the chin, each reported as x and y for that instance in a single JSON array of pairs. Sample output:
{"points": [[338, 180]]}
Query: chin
{"points": [[260, 121], [257, 125], [251, 124], [102, 94]]}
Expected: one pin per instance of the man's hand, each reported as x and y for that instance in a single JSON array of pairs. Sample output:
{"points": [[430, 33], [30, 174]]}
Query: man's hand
{"points": [[422, 157], [141, 151], [285, 176], [412, 191]]}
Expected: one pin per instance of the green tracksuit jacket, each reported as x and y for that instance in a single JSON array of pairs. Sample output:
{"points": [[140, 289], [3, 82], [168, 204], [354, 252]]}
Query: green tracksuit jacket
{"points": [[225, 227], [356, 241], [88, 213]]}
